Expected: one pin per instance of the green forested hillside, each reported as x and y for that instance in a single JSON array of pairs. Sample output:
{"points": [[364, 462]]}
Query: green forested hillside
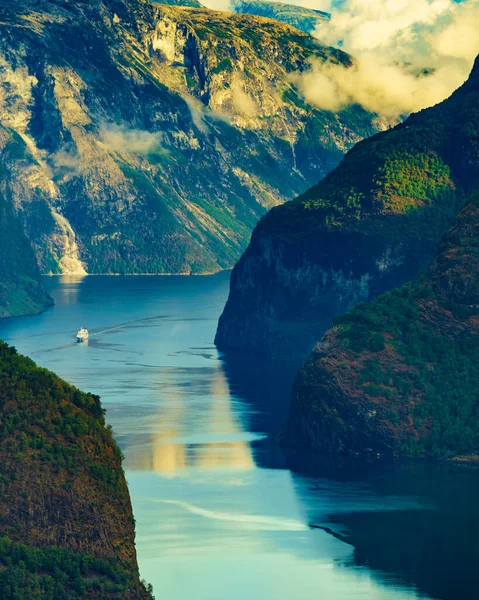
{"points": [[368, 226], [401, 374], [20, 288], [66, 525]]}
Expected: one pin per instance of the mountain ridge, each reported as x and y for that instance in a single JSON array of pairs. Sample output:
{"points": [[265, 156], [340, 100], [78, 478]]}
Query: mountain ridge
{"points": [[146, 147], [368, 226], [304, 19]]}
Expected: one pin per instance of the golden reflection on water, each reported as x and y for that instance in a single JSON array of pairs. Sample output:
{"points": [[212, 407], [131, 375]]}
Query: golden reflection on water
{"points": [[71, 285], [208, 420]]}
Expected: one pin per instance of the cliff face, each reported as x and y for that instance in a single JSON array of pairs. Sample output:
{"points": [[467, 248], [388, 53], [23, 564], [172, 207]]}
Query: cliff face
{"points": [[20, 288], [370, 225], [66, 525], [151, 138], [400, 375]]}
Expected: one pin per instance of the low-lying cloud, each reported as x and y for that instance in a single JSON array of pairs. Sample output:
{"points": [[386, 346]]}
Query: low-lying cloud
{"points": [[122, 139], [409, 54]]}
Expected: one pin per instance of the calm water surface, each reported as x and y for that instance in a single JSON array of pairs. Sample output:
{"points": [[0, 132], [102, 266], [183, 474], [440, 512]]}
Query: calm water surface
{"points": [[221, 513]]}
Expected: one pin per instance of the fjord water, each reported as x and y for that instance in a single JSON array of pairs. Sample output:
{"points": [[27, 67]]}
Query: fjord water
{"points": [[221, 512]]}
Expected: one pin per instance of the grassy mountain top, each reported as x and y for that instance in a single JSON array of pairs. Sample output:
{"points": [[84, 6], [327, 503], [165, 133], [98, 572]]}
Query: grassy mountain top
{"points": [[400, 374], [254, 30], [190, 3], [66, 526], [304, 19]]}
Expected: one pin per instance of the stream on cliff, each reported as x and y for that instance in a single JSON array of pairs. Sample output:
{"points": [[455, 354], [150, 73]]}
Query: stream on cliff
{"points": [[222, 513]]}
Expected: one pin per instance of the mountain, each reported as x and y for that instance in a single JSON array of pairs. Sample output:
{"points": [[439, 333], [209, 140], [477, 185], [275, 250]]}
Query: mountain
{"points": [[304, 19], [370, 225], [150, 138], [66, 527], [401, 374], [20, 289], [190, 3]]}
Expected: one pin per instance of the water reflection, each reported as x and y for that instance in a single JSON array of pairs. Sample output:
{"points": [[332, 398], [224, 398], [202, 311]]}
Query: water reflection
{"points": [[201, 431], [221, 512], [71, 287], [411, 524]]}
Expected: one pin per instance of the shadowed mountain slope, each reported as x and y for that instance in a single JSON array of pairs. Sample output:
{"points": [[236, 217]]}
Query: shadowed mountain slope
{"points": [[400, 374], [368, 226]]}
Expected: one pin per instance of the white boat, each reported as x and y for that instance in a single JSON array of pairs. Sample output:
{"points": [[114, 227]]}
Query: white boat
{"points": [[82, 335]]}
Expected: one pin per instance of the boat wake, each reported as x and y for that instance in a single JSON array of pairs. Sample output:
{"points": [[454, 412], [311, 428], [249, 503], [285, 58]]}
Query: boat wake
{"points": [[251, 521]]}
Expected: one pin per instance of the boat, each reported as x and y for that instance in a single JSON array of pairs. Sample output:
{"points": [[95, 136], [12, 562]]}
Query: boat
{"points": [[82, 335]]}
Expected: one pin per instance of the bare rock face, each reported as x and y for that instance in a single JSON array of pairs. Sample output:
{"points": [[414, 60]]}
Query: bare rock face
{"points": [[150, 139], [370, 225]]}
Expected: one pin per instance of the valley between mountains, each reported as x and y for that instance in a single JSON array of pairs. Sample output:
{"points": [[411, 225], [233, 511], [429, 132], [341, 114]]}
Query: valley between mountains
{"points": [[143, 138], [148, 138]]}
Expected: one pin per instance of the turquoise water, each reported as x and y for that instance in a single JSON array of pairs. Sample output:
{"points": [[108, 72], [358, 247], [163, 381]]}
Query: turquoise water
{"points": [[221, 512]]}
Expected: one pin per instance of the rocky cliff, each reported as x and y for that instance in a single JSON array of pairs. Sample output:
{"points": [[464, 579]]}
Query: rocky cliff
{"points": [[400, 375], [370, 225], [151, 138], [66, 526]]}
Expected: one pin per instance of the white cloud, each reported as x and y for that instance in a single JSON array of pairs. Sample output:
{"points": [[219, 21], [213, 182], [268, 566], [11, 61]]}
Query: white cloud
{"points": [[122, 139], [393, 41]]}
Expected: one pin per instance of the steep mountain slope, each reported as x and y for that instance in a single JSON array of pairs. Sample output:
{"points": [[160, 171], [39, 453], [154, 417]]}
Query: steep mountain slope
{"points": [[401, 374], [370, 225], [304, 19], [20, 288], [151, 138], [66, 527], [190, 3]]}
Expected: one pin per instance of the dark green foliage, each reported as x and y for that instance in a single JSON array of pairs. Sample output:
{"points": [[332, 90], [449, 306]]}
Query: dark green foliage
{"points": [[61, 484], [441, 370], [416, 170], [224, 65], [56, 574], [20, 287], [393, 312]]}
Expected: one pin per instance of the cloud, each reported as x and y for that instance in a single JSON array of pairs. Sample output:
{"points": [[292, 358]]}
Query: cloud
{"points": [[197, 111], [225, 5], [67, 158], [122, 139], [242, 102], [409, 54]]}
